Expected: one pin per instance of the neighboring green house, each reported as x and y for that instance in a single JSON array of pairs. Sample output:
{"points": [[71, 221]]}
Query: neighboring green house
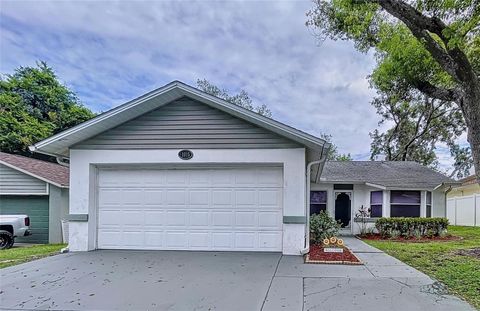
{"points": [[38, 189]]}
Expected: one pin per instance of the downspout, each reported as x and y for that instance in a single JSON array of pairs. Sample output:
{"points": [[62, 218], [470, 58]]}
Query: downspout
{"points": [[307, 202], [450, 188], [63, 162]]}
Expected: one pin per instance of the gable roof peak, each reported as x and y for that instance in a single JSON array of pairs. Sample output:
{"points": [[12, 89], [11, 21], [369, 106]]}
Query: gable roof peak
{"points": [[59, 144]]}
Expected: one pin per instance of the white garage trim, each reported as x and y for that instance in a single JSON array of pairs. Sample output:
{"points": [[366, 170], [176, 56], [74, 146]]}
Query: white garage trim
{"points": [[210, 208], [84, 165]]}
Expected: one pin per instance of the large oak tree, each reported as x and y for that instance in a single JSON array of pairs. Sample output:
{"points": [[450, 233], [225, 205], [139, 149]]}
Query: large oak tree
{"points": [[426, 46]]}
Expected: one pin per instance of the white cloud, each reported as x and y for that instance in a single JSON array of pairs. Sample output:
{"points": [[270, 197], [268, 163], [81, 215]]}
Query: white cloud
{"points": [[110, 52]]}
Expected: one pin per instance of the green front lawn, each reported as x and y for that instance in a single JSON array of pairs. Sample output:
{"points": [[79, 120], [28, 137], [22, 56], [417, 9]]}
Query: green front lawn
{"points": [[17, 255], [440, 260]]}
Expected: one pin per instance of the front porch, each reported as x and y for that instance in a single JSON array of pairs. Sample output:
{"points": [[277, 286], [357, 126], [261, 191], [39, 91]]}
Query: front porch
{"points": [[343, 201]]}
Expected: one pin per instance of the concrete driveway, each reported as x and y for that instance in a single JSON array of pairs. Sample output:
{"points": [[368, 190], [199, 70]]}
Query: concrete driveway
{"points": [[156, 280]]}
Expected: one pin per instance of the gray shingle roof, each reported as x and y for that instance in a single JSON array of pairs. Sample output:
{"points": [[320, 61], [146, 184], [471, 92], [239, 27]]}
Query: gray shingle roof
{"points": [[390, 174]]}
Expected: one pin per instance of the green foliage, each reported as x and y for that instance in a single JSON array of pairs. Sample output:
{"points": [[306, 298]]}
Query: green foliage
{"points": [[333, 154], [410, 227], [419, 125], [409, 76], [241, 99], [322, 226], [18, 255], [35, 105]]}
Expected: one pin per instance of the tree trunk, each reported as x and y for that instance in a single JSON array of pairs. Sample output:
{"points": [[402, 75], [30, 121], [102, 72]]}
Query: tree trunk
{"points": [[471, 111]]}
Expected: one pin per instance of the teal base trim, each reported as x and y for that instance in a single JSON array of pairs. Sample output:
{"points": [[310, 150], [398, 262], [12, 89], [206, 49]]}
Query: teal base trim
{"points": [[294, 220], [78, 217]]}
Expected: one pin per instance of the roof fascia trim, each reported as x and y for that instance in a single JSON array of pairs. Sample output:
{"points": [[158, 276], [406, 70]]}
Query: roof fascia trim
{"points": [[376, 186]]}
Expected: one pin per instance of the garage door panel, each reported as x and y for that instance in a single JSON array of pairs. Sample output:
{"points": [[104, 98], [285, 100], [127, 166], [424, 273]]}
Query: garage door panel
{"points": [[199, 197], [177, 177], [110, 196], [132, 238], [109, 218], [176, 218], [154, 239], [245, 198], [270, 178], [221, 178], [247, 219], [133, 218], [270, 240], [177, 239], [222, 218], [222, 240], [110, 238], [245, 240], [200, 240], [154, 217], [199, 178], [153, 197], [269, 219], [176, 197], [199, 219], [154, 178], [222, 198], [198, 209], [132, 197], [269, 198]]}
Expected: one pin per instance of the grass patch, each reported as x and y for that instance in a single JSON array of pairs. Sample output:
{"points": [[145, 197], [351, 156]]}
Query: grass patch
{"points": [[441, 261], [17, 255]]}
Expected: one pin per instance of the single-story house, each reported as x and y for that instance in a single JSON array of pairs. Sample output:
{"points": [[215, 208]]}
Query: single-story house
{"points": [[38, 189], [463, 203], [386, 188], [179, 169]]}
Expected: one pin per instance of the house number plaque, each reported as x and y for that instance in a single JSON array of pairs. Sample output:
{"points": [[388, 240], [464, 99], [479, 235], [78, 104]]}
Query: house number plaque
{"points": [[185, 154]]}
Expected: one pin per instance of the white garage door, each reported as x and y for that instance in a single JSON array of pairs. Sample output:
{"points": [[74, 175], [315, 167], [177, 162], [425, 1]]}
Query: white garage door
{"points": [[196, 209]]}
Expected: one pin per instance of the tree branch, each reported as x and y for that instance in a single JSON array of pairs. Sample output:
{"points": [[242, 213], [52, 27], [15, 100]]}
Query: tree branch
{"points": [[436, 92]]}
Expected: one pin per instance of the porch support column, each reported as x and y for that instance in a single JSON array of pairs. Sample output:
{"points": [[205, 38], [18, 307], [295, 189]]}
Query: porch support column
{"points": [[386, 203], [423, 203]]}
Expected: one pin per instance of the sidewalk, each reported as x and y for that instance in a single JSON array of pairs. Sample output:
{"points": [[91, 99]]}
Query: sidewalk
{"points": [[382, 283]]}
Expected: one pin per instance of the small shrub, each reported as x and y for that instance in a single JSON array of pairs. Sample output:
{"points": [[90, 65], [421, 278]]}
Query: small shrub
{"points": [[411, 227], [322, 226]]}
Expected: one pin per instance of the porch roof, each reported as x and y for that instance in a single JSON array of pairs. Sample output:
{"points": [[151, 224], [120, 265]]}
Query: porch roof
{"points": [[385, 174]]}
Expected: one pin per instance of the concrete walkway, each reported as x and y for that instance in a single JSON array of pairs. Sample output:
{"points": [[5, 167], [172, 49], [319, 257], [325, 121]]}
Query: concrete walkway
{"points": [[174, 280], [382, 283]]}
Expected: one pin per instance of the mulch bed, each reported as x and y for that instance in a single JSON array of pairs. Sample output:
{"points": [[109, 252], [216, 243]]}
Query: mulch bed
{"points": [[317, 255], [472, 252], [378, 237]]}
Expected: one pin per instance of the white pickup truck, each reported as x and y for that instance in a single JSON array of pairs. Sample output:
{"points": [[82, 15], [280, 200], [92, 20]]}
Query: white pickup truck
{"points": [[12, 226]]}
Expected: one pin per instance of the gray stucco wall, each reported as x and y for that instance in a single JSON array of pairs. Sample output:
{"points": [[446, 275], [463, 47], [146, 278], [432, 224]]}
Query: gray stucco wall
{"points": [[58, 209], [15, 182], [186, 123]]}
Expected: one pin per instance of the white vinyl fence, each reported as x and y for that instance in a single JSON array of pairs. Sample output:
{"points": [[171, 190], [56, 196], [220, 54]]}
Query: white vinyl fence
{"points": [[464, 211]]}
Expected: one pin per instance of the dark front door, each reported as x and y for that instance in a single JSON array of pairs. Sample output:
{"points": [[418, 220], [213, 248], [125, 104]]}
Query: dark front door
{"points": [[343, 208]]}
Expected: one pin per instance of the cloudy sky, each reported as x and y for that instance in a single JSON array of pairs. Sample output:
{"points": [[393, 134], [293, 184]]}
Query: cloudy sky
{"points": [[110, 52]]}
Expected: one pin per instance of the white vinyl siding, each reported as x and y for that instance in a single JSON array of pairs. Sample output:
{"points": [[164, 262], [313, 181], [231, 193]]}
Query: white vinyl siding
{"points": [[13, 182], [231, 209]]}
